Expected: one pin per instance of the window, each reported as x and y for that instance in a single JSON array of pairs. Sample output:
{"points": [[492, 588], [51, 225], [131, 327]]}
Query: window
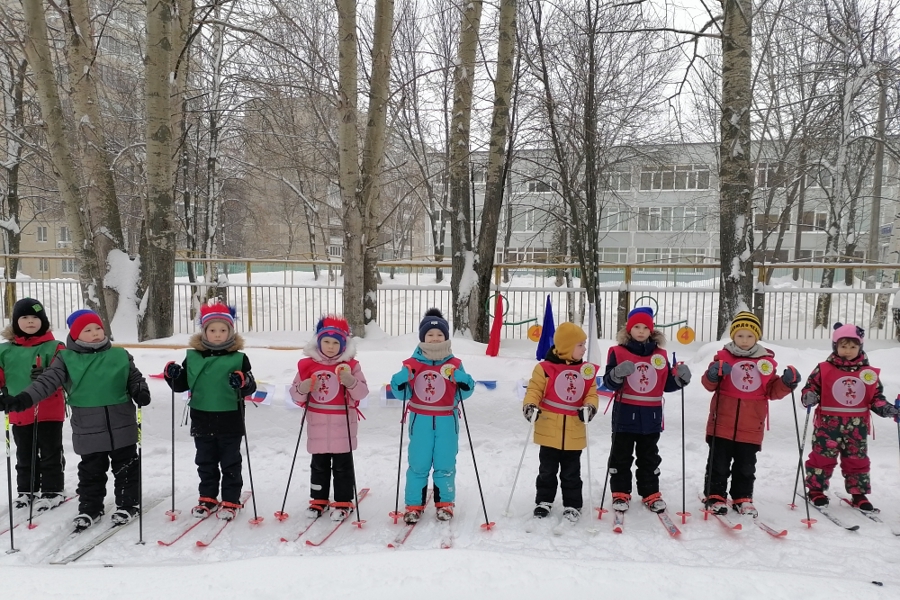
{"points": [[526, 218], [42, 234], [64, 235], [811, 255], [617, 181], [770, 256], [43, 265], [674, 177], [527, 255], [479, 174], [614, 220], [617, 256], [69, 265], [767, 175], [768, 221], [819, 177], [40, 204], [672, 218], [670, 255], [813, 221], [541, 187]]}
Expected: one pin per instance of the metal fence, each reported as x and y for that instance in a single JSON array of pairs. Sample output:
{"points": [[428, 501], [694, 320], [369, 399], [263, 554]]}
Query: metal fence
{"points": [[293, 298]]}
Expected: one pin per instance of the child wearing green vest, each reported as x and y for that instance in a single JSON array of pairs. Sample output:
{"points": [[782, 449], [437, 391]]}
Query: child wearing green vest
{"points": [[40, 464], [218, 375], [101, 383]]}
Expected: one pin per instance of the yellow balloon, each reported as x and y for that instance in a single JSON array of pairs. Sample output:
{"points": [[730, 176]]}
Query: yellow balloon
{"points": [[685, 335], [534, 333]]}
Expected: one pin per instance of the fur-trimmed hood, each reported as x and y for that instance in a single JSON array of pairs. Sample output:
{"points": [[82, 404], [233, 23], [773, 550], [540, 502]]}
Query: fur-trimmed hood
{"points": [[196, 342], [312, 350], [8, 333], [657, 336], [32, 340]]}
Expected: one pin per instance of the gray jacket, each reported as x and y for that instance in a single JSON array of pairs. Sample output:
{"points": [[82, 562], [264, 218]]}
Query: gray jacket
{"points": [[94, 429]]}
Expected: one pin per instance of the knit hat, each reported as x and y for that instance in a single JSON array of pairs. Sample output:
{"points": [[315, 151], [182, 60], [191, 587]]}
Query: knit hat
{"points": [[216, 311], [567, 336], [746, 320], [29, 307], [334, 327], [848, 331], [641, 315], [434, 319], [80, 319]]}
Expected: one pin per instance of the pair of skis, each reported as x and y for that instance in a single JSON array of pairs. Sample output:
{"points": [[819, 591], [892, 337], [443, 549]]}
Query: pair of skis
{"points": [[736, 526], [21, 516], [664, 518], [335, 525], [403, 534], [211, 535]]}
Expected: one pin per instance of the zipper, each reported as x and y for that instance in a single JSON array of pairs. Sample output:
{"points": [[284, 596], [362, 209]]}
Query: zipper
{"points": [[112, 445]]}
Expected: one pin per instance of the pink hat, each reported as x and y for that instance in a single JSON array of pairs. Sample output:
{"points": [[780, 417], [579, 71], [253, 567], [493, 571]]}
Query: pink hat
{"points": [[848, 331]]}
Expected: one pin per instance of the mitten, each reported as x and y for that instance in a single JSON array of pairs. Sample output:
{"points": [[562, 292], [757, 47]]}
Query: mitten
{"points": [[590, 410], [36, 372], [809, 398], [347, 378], [530, 410], [304, 386], [172, 370], [621, 371], [891, 412], [236, 379], [143, 398], [16, 403], [682, 374], [715, 367], [790, 377]]}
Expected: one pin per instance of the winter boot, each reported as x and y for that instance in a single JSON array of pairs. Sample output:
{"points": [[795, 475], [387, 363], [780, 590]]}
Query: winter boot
{"points": [[571, 514], [542, 510], [744, 506], [413, 514], [716, 505], [620, 501], [24, 500], [124, 515], [84, 520], [817, 497], [228, 510], [205, 507], [47, 501], [862, 503], [341, 510], [655, 502], [316, 508], [444, 510]]}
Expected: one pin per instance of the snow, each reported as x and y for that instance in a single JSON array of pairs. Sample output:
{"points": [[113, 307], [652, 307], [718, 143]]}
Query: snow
{"points": [[505, 563], [11, 225]]}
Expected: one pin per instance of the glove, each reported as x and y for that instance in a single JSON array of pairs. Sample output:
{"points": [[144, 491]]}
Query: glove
{"points": [[891, 412], [36, 372], [621, 371], [16, 403], [590, 410], [347, 378], [712, 373], [791, 377], [682, 374], [173, 370], [143, 398], [529, 410], [304, 386], [236, 379], [809, 398]]}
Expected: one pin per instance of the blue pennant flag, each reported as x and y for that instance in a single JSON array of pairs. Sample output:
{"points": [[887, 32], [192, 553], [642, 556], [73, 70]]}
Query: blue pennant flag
{"points": [[547, 331]]}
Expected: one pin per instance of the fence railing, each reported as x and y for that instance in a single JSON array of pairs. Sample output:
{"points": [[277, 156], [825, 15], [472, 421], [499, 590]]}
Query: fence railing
{"points": [[294, 298]]}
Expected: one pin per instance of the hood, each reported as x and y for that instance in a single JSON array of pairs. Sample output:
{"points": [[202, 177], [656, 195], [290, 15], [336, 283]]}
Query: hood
{"points": [[657, 336], [312, 350]]}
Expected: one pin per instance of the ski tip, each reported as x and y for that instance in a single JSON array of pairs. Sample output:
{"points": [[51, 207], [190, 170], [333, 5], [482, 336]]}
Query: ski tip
{"points": [[618, 529], [853, 528], [738, 527]]}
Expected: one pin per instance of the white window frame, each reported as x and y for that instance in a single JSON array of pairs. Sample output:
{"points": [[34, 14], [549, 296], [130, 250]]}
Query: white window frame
{"points": [[675, 178], [42, 234], [537, 186], [69, 265]]}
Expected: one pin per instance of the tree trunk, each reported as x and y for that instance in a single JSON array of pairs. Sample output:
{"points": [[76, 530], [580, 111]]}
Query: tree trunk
{"points": [[498, 167], [158, 235], [14, 110], [348, 178], [462, 279], [736, 281]]}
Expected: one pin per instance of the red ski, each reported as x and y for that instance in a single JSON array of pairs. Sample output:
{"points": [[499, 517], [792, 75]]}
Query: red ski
{"points": [[220, 526], [304, 530], [337, 524], [401, 536]]}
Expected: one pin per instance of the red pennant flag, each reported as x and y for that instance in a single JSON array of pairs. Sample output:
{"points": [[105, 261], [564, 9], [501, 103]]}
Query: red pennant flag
{"points": [[493, 348]]}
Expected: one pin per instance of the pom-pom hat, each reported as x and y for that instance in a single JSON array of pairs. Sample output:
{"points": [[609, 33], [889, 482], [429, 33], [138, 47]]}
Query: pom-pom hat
{"points": [[80, 319], [642, 315], [334, 327], [216, 311], [29, 307], [434, 319]]}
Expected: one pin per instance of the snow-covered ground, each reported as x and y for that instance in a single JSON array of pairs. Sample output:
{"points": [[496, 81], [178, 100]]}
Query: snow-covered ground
{"points": [[250, 562]]}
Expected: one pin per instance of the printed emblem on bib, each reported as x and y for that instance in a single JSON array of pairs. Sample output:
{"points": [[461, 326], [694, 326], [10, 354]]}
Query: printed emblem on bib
{"points": [[326, 386], [588, 371], [868, 376], [447, 370], [569, 386], [644, 378], [430, 386], [765, 367], [745, 376], [849, 391], [658, 362]]}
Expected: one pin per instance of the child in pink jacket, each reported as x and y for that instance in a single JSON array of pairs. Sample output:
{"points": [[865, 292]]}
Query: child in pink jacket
{"points": [[329, 385]]}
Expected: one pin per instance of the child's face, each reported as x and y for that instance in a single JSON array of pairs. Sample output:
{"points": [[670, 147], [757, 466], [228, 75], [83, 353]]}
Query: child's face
{"points": [[217, 332], [329, 346], [579, 350], [92, 334], [640, 332], [744, 339], [847, 348], [434, 336], [29, 324]]}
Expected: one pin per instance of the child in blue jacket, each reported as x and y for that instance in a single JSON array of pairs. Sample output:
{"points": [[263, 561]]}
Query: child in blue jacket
{"points": [[433, 382]]}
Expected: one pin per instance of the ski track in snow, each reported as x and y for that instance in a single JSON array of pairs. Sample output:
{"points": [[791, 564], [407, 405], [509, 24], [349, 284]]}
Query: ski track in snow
{"points": [[505, 562]]}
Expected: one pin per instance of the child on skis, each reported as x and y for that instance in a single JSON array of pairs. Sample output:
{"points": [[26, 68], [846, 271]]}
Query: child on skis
{"points": [[433, 382], [101, 382], [743, 378], [563, 393], [218, 375], [638, 370], [844, 389], [330, 384], [29, 349]]}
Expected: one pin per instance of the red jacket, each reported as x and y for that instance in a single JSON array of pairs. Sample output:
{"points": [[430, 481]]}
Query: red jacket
{"points": [[51, 409]]}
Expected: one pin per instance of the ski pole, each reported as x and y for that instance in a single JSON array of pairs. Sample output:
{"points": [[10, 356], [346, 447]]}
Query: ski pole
{"points": [[358, 522], [684, 514], [612, 444], [587, 447], [12, 545], [397, 514], [173, 514], [34, 447], [256, 520], [534, 417], [897, 417], [281, 515], [488, 524], [140, 477], [801, 443], [712, 443]]}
